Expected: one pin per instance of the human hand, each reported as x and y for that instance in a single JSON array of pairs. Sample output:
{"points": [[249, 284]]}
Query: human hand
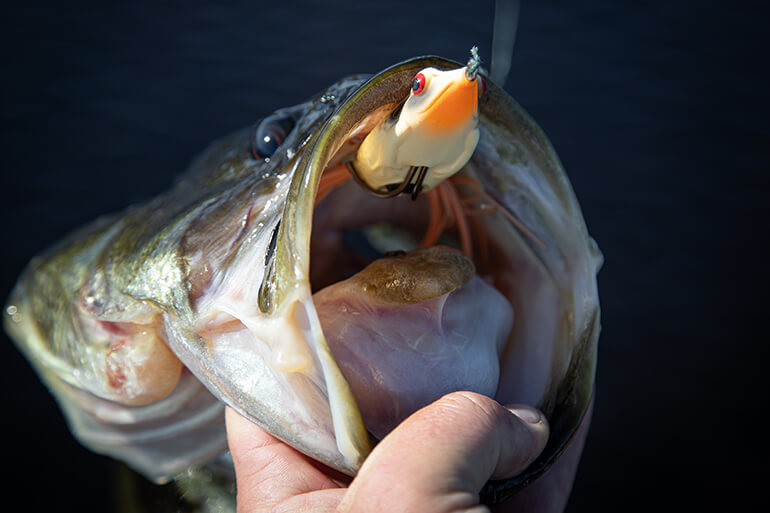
{"points": [[436, 460]]}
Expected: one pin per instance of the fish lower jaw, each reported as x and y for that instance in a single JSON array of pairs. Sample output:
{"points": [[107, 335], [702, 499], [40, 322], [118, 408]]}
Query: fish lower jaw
{"points": [[284, 360]]}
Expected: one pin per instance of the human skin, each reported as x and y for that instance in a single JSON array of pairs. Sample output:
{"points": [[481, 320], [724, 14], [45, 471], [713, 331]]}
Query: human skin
{"points": [[437, 460]]}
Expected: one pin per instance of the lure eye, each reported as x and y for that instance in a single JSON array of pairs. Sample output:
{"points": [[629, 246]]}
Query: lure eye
{"points": [[270, 134], [418, 83]]}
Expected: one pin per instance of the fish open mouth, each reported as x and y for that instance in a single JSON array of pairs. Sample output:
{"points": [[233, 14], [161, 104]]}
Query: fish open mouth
{"points": [[403, 351], [354, 347]]}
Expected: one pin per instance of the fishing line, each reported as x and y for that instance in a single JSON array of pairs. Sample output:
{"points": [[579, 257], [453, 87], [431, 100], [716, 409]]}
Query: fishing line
{"points": [[503, 37]]}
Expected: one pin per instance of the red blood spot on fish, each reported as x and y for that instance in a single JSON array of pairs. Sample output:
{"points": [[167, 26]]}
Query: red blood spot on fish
{"points": [[117, 346], [115, 375]]}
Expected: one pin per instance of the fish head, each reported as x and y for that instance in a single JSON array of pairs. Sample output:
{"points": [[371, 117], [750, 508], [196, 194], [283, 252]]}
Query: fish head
{"points": [[486, 281]]}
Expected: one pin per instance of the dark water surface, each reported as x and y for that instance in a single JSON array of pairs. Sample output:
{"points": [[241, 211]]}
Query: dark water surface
{"points": [[657, 111]]}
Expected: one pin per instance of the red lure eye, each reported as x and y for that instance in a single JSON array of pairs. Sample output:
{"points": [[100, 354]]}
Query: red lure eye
{"points": [[418, 83]]}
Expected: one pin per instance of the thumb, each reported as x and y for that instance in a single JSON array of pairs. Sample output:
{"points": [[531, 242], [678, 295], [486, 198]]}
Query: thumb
{"points": [[440, 457]]}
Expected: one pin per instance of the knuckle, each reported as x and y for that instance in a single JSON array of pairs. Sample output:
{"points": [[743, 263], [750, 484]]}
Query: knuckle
{"points": [[473, 410]]}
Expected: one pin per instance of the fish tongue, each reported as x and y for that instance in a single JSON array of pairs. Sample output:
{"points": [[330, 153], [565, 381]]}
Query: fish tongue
{"points": [[408, 329]]}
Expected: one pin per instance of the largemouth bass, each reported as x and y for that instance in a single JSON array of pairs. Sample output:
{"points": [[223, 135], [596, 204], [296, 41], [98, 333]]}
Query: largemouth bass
{"points": [[267, 280]]}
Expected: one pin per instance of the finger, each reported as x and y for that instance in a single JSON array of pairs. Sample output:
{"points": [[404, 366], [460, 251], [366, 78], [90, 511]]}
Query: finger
{"points": [[319, 501], [441, 456], [550, 492], [269, 472]]}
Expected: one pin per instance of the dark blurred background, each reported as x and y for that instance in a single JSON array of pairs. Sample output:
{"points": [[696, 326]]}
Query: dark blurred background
{"points": [[657, 110]]}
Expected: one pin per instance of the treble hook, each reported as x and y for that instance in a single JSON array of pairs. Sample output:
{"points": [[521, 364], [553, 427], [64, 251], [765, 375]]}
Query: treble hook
{"points": [[415, 176], [393, 190]]}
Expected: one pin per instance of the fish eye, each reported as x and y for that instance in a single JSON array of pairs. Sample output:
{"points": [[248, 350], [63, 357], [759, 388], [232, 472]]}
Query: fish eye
{"points": [[270, 134], [418, 83]]}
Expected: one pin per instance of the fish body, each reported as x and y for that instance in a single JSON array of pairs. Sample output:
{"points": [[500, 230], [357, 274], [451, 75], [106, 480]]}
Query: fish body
{"points": [[144, 324]]}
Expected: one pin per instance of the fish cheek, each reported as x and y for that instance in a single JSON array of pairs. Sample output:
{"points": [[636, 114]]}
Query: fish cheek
{"points": [[140, 368]]}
